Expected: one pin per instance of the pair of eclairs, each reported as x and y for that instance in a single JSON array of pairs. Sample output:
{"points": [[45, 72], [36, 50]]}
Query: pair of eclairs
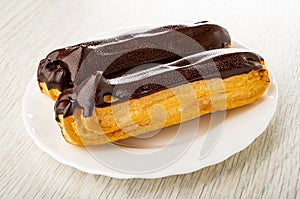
{"points": [[112, 89]]}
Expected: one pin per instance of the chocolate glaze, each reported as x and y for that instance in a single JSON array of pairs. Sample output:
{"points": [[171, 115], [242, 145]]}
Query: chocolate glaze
{"points": [[66, 67], [220, 63]]}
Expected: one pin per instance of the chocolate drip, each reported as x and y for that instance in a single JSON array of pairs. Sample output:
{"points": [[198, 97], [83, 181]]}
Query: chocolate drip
{"points": [[220, 63], [69, 66]]}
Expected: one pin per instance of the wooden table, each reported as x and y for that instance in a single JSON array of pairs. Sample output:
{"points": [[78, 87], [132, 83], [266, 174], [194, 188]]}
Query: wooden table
{"points": [[268, 168]]}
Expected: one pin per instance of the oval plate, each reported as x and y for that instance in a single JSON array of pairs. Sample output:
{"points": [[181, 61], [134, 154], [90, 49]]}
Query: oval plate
{"points": [[215, 137]]}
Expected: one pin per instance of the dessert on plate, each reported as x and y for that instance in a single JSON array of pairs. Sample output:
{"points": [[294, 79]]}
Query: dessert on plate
{"points": [[113, 89]]}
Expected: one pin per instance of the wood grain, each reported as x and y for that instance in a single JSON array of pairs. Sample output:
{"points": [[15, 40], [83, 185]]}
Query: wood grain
{"points": [[268, 168]]}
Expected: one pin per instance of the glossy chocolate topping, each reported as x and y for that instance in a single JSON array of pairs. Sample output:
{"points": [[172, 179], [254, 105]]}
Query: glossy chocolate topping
{"points": [[67, 67], [220, 63]]}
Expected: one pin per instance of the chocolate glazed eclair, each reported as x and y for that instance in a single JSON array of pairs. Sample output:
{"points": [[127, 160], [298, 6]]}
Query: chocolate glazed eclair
{"points": [[66, 67], [102, 110]]}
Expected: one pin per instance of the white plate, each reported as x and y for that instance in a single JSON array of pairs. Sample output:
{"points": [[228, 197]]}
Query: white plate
{"points": [[179, 149]]}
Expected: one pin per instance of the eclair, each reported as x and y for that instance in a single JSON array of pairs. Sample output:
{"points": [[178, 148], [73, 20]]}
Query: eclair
{"points": [[101, 109], [67, 67]]}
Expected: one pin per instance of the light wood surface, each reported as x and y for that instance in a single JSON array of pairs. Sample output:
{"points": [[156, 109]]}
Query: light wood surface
{"points": [[268, 168]]}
